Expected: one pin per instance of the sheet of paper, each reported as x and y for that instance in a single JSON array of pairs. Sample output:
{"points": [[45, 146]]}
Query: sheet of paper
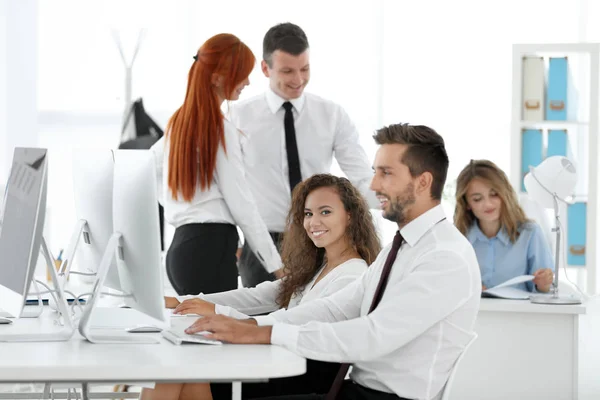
{"points": [[507, 292], [515, 281]]}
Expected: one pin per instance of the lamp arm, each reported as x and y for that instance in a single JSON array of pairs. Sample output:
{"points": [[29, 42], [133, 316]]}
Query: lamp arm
{"points": [[557, 250]]}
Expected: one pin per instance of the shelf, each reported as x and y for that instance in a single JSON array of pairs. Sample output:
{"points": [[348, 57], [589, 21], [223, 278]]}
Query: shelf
{"points": [[556, 48], [583, 145], [552, 124]]}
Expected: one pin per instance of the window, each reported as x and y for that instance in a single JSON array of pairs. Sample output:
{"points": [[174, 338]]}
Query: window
{"points": [[443, 64]]}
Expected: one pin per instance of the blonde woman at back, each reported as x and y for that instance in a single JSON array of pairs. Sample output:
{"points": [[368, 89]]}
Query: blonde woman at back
{"points": [[506, 242]]}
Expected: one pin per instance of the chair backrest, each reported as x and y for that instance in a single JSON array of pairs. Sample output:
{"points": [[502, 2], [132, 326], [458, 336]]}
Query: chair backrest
{"points": [[448, 387]]}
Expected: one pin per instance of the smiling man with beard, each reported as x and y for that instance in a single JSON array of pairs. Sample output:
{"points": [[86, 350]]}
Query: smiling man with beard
{"points": [[404, 322]]}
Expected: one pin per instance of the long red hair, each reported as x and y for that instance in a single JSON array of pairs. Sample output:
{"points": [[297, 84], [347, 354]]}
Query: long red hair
{"points": [[196, 129]]}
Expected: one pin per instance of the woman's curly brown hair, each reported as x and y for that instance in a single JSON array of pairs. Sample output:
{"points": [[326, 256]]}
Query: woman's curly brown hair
{"points": [[301, 258]]}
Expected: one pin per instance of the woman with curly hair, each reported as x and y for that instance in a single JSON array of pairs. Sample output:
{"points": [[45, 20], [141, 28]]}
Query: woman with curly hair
{"points": [[329, 241]]}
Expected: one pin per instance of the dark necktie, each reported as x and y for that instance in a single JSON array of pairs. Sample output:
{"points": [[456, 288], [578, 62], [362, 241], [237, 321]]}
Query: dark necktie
{"points": [[291, 146], [385, 274]]}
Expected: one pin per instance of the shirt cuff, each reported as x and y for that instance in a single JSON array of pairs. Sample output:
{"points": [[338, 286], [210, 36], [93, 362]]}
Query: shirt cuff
{"points": [[222, 310], [272, 265], [181, 299], [265, 320], [229, 312], [271, 269], [285, 335]]}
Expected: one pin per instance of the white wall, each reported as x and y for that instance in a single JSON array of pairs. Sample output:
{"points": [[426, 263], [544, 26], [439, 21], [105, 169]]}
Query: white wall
{"points": [[18, 83], [444, 64], [3, 84]]}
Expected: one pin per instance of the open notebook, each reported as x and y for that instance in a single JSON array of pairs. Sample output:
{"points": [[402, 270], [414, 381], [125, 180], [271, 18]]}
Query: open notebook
{"points": [[507, 290]]}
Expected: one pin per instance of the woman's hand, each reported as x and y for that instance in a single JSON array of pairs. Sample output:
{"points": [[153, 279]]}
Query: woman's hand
{"points": [[171, 302], [279, 273], [195, 306], [231, 330], [543, 279]]}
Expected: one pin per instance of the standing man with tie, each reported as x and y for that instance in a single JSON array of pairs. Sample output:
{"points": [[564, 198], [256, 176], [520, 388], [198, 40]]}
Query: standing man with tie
{"points": [[289, 136], [403, 324]]}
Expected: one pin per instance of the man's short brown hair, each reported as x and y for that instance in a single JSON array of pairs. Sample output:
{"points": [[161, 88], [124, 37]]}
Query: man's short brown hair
{"points": [[425, 153]]}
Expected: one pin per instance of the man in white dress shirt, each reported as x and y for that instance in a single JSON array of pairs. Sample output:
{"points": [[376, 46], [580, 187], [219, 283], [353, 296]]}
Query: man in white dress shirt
{"points": [[405, 321], [289, 136]]}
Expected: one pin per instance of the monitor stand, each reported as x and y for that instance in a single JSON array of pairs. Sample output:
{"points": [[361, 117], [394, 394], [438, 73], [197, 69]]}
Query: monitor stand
{"points": [[113, 249], [51, 335], [82, 231], [29, 311], [65, 265]]}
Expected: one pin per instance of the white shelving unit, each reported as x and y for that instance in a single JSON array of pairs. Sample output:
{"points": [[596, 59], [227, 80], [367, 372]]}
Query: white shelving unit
{"points": [[583, 119]]}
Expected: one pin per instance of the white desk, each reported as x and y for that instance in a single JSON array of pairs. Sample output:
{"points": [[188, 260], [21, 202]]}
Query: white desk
{"points": [[80, 361], [532, 351]]}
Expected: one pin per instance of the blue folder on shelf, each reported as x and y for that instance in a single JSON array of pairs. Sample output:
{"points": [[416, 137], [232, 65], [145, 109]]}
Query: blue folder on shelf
{"points": [[576, 235], [531, 151], [557, 142], [556, 98]]}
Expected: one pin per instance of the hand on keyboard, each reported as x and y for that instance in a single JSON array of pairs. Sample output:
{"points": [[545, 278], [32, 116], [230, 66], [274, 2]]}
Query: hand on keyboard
{"points": [[195, 306]]}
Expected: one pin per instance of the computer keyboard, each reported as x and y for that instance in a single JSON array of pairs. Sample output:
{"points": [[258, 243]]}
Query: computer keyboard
{"points": [[28, 312], [179, 337]]}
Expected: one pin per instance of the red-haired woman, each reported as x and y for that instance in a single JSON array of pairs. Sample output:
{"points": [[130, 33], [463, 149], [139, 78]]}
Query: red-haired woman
{"points": [[200, 166]]}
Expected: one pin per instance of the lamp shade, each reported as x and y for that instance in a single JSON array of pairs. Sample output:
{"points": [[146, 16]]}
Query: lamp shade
{"points": [[556, 175]]}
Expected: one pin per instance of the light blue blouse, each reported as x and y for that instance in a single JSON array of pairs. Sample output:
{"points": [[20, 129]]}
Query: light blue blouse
{"points": [[500, 259]]}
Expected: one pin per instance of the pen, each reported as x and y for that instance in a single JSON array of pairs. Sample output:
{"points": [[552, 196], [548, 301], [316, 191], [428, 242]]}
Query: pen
{"points": [[59, 258]]}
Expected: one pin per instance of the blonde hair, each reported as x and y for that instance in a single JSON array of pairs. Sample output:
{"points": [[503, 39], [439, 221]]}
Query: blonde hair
{"points": [[512, 216]]}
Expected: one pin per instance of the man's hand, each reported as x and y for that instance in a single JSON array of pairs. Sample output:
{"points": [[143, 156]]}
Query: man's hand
{"points": [[171, 302], [195, 306], [231, 330], [543, 279]]}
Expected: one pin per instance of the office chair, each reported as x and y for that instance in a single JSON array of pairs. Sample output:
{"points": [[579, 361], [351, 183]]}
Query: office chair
{"points": [[448, 387]]}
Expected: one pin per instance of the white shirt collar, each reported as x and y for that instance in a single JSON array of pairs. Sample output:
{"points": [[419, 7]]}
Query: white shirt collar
{"points": [[415, 229], [275, 102]]}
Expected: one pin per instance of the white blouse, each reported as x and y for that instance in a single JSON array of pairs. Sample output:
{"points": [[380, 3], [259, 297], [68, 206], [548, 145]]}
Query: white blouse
{"points": [[240, 303], [228, 200]]}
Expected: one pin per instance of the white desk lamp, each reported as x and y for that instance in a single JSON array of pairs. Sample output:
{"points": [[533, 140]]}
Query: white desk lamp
{"points": [[552, 181]]}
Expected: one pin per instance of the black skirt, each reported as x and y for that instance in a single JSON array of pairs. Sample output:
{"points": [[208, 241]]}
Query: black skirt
{"points": [[201, 259], [318, 379]]}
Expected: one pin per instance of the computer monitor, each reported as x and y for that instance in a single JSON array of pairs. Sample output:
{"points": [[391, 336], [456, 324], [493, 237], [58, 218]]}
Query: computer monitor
{"points": [[22, 226], [93, 171], [21, 241], [135, 244]]}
